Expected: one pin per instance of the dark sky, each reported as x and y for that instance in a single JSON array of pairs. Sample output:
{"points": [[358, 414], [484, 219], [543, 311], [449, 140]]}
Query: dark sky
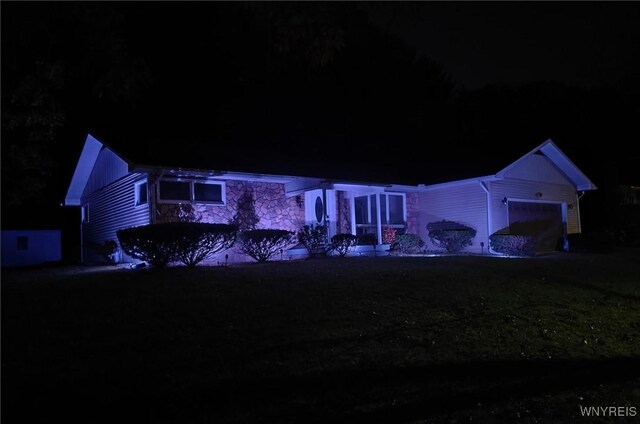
{"points": [[413, 92], [581, 43]]}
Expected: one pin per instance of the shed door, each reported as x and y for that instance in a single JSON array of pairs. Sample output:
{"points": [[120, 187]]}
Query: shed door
{"points": [[542, 221]]}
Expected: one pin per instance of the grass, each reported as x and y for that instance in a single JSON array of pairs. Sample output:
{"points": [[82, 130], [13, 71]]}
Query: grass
{"points": [[391, 339]]}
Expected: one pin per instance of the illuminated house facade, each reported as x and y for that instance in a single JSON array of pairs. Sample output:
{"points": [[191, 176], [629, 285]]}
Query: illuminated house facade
{"points": [[115, 193]]}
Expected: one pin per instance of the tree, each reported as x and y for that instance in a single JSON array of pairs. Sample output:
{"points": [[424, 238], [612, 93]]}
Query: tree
{"points": [[246, 217], [60, 61]]}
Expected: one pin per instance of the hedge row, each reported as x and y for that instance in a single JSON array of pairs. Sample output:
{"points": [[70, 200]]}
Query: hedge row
{"points": [[186, 242], [193, 242]]}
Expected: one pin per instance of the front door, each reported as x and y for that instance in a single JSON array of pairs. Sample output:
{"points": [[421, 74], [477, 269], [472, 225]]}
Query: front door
{"points": [[320, 209]]}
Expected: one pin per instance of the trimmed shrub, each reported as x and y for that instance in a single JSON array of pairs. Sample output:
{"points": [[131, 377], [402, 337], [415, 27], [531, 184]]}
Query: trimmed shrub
{"points": [[187, 242], [452, 236], [409, 243], [155, 244], [512, 244], [313, 238], [198, 241], [341, 243], [261, 245]]}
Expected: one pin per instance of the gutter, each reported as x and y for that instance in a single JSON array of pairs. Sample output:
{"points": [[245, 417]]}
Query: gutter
{"points": [[485, 187]]}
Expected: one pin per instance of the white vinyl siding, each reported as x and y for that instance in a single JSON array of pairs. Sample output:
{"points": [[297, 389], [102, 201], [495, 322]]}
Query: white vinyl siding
{"points": [[537, 168], [112, 208], [108, 168], [466, 204]]}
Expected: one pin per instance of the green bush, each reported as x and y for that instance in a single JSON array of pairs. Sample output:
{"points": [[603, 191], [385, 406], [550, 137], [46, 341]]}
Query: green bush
{"points": [[155, 244], [261, 245], [341, 243], [452, 236], [409, 243], [512, 244], [198, 241], [246, 217], [187, 242], [314, 239]]}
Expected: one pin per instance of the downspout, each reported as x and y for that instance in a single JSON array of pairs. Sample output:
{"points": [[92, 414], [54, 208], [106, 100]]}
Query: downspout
{"points": [[379, 218], [580, 194], [81, 239], [324, 212], [152, 183], [152, 203], [484, 186], [352, 213]]}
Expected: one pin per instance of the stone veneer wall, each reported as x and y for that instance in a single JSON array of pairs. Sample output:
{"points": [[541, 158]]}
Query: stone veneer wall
{"points": [[273, 207], [413, 224], [343, 211]]}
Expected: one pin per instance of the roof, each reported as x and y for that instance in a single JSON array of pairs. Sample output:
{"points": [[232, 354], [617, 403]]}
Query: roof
{"points": [[555, 155], [88, 156], [144, 144]]}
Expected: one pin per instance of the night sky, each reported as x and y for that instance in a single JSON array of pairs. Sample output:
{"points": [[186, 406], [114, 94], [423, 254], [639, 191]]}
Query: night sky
{"points": [[394, 92]]}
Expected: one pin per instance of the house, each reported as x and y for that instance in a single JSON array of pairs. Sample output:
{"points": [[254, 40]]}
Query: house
{"points": [[542, 187], [30, 247]]}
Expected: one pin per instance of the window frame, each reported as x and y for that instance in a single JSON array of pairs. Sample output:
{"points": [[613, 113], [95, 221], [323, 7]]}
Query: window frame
{"points": [[192, 199], [376, 202], [85, 214], [136, 195], [388, 212]]}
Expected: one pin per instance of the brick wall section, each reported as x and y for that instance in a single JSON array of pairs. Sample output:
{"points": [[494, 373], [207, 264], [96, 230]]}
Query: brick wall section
{"points": [[273, 207], [343, 210], [413, 213]]}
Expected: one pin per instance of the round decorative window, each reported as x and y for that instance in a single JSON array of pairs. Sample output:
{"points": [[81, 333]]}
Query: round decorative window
{"points": [[319, 209]]}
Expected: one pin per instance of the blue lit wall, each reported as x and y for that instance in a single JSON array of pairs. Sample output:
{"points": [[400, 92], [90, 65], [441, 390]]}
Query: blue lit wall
{"points": [[30, 247]]}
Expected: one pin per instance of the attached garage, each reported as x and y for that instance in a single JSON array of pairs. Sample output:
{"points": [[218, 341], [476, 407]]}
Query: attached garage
{"points": [[541, 220], [537, 195]]}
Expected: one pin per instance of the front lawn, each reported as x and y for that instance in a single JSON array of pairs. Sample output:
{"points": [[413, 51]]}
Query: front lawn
{"points": [[387, 339]]}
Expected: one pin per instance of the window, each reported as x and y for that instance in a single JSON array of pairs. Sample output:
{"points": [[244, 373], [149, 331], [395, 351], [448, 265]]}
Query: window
{"points": [[366, 210], [392, 212], [190, 191], [141, 195], [392, 209], [85, 214], [207, 193], [175, 190], [22, 243]]}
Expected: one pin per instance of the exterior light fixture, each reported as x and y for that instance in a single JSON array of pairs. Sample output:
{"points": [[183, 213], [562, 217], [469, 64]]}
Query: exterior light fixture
{"points": [[539, 194], [504, 200]]}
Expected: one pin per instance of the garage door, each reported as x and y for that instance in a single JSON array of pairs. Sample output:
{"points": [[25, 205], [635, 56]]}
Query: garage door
{"points": [[542, 221]]}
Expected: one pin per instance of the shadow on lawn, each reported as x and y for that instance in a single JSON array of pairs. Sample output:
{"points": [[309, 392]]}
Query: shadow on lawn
{"points": [[406, 394], [393, 395], [358, 395], [595, 288]]}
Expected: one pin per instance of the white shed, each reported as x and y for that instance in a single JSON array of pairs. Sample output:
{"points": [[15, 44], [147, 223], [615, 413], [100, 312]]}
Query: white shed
{"points": [[30, 247]]}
